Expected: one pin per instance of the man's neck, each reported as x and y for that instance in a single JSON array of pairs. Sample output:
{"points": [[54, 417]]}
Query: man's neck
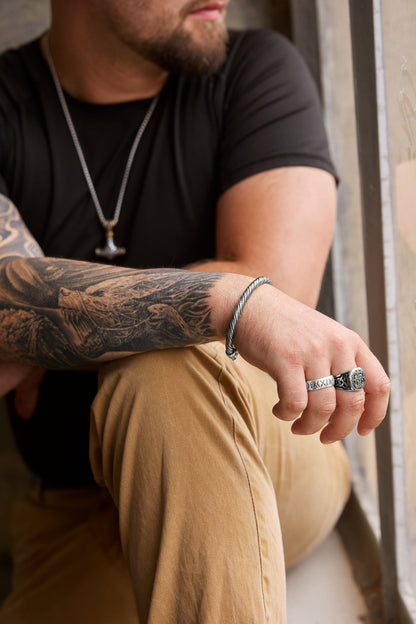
{"points": [[101, 72]]}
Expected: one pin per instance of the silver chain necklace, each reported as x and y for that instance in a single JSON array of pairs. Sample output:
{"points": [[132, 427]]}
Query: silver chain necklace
{"points": [[110, 249]]}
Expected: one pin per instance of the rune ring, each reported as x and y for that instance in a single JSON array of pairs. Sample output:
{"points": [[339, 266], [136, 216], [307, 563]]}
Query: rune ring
{"points": [[319, 384], [351, 380]]}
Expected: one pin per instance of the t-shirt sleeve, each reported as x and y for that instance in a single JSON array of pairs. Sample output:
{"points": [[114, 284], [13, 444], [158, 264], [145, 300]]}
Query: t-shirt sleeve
{"points": [[272, 111]]}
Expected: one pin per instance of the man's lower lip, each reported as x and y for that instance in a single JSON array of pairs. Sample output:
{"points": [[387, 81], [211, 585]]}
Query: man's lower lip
{"points": [[209, 15]]}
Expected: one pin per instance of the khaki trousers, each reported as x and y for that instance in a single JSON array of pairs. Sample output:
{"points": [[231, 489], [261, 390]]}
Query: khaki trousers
{"points": [[200, 482]]}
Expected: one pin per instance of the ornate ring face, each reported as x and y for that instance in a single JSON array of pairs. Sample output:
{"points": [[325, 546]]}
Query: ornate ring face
{"points": [[351, 380]]}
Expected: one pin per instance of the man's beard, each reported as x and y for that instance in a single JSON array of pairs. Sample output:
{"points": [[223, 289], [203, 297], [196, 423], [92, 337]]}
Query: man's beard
{"points": [[179, 53]]}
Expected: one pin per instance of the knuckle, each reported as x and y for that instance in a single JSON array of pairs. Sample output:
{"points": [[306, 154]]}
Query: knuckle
{"points": [[327, 409], [339, 342], [293, 357], [357, 401], [318, 349], [295, 405], [382, 387], [354, 338]]}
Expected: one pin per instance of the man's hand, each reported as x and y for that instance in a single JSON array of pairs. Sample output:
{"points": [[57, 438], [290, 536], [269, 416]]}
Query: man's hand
{"points": [[294, 343], [26, 381]]}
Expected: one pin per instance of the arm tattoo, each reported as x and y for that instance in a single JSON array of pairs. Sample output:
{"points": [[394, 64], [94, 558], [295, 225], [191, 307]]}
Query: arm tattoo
{"points": [[63, 313], [15, 238]]}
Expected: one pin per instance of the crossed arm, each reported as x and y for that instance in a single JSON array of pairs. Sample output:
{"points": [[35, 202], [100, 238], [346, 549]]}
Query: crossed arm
{"points": [[59, 313], [62, 313]]}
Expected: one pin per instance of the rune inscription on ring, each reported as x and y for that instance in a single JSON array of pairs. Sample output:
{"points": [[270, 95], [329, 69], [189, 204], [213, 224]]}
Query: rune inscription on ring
{"points": [[351, 380], [319, 384]]}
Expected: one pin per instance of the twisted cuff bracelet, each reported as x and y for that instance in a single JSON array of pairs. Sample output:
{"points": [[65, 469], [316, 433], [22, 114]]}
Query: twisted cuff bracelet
{"points": [[230, 350]]}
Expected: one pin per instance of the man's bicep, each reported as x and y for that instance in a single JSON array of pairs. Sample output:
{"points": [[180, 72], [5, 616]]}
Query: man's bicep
{"points": [[15, 238], [276, 209], [280, 223]]}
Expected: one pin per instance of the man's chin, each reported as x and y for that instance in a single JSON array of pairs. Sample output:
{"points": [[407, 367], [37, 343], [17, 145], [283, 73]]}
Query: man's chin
{"points": [[189, 51], [205, 50], [208, 34]]}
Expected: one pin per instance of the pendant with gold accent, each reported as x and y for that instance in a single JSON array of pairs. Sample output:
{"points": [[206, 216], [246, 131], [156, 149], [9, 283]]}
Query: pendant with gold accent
{"points": [[110, 249]]}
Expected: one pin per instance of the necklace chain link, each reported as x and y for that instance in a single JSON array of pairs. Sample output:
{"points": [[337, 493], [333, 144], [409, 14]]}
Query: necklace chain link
{"points": [[108, 224]]}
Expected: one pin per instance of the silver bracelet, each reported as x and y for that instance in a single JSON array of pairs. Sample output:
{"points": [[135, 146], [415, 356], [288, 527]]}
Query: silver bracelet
{"points": [[230, 350]]}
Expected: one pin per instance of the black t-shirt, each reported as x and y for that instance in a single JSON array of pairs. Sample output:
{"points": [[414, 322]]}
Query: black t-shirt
{"points": [[259, 111]]}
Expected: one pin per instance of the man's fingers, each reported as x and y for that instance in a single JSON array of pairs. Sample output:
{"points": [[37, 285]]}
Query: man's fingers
{"points": [[318, 349], [348, 411], [336, 412], [377, 391], [293, 396], [321, 402], [321, 405]]}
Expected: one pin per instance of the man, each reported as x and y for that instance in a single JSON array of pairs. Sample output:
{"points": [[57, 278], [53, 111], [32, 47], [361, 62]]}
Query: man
{"points": [[136, 134]]}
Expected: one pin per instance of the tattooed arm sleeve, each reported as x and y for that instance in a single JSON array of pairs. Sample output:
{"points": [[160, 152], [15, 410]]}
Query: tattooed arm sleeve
{"points": [[15, 238], [61, 313]]}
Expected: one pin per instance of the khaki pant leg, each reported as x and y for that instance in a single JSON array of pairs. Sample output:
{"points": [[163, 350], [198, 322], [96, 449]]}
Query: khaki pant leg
{"points": [[67, 562], [174, 441], [311, 480], [175, 437]]}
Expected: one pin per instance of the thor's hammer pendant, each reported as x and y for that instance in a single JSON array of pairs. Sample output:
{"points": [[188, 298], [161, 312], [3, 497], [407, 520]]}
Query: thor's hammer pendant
{"points": [[110, 249]]}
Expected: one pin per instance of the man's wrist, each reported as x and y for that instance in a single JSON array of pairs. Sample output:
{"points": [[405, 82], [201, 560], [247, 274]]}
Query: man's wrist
{"points": [[230, 350], [225, 296]]}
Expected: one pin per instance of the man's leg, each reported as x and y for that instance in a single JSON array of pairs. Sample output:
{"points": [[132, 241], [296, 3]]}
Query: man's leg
{"points": [[177, 438], [68, 566], [311, 480], [197, 536]]}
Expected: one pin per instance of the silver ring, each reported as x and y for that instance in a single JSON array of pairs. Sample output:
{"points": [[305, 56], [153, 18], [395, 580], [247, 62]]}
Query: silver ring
{"points": [[351, 380], [319, 384]]}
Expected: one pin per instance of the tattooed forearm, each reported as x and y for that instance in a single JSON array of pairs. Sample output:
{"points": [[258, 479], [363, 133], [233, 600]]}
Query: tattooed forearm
{"points": [[15, 238], [64, 313]]}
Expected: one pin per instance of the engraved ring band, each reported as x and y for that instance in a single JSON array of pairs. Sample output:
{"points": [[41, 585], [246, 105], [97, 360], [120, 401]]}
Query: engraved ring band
{"points": [[351, 380]]}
